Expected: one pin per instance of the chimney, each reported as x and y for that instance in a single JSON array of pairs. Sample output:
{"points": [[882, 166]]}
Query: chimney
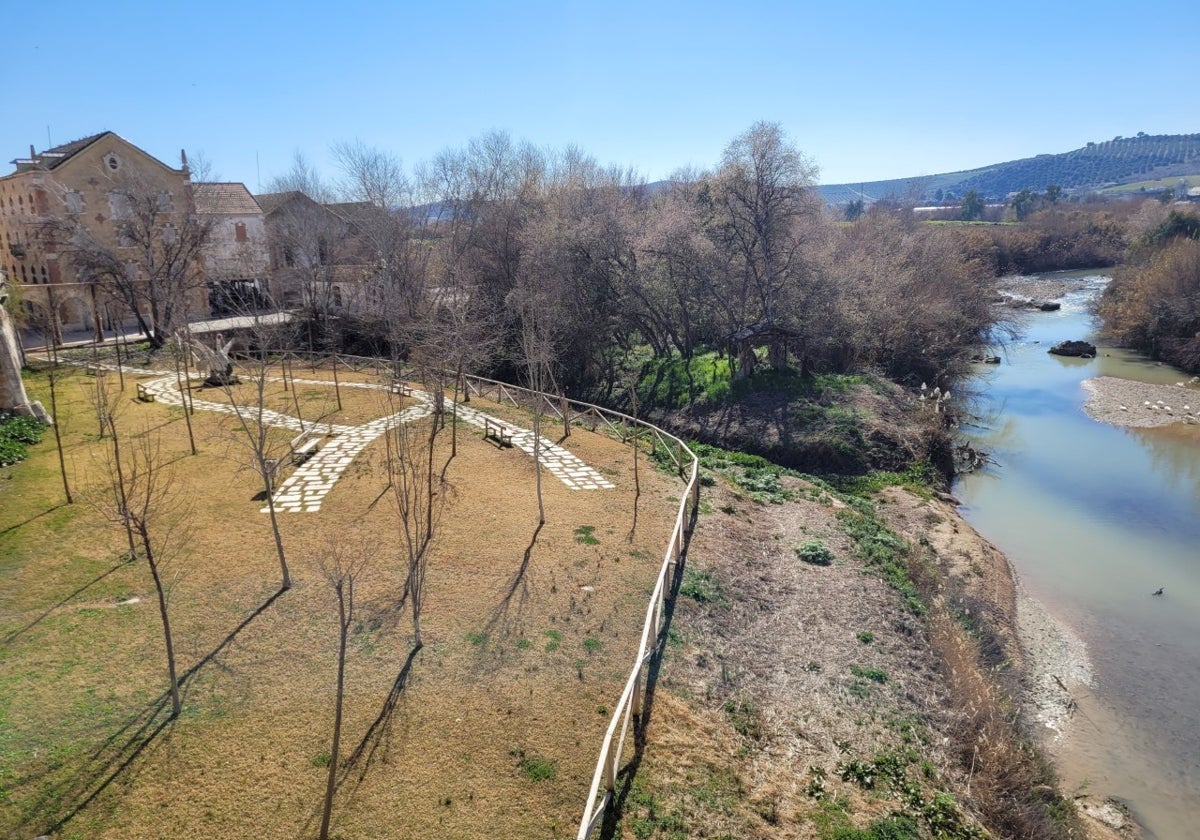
{"points": [[183, 158], [32, 153]]}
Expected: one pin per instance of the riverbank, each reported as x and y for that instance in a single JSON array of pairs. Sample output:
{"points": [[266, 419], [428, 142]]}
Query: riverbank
{"points": [[1126, 402]]}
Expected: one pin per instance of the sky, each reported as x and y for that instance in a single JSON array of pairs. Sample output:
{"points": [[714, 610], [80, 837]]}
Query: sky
{"points": [[866, 90]]}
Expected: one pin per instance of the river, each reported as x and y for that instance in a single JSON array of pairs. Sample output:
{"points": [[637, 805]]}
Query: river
{"points": [[1094, 518]]}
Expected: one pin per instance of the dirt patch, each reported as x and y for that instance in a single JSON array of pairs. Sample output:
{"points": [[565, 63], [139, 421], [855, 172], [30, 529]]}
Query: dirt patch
{"points": [[808, 697]]}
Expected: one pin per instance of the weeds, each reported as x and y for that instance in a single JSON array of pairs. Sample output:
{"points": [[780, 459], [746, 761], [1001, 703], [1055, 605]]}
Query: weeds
{"points": [[873, 674], [532, 767], [583, 534], [702, 587], [883, 550]]}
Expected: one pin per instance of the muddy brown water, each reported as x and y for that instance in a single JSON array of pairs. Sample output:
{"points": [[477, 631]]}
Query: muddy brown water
{"points": [[1095, 518]]}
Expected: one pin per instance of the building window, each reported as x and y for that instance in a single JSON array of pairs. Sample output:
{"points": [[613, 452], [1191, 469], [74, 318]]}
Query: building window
{"points": [[74, 200], [169, 234], [239, 232], [113, 162], [118, 205], [163, 202]]}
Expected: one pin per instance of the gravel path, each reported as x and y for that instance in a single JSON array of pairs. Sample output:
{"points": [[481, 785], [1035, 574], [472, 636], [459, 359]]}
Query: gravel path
{"points": [[1124, 402]]}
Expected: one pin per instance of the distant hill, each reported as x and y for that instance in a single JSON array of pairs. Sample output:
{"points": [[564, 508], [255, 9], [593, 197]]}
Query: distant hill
{"points": [[1121, 160]]}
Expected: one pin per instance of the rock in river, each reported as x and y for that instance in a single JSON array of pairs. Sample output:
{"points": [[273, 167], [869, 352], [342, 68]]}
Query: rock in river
{"points": [[1082, 349]]}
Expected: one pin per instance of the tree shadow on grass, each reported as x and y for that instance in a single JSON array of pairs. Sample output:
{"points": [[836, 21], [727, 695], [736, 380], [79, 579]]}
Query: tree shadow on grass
{"points": [[14, 635], [17, 526], [518, 588], [378, 734], [91, 775]]}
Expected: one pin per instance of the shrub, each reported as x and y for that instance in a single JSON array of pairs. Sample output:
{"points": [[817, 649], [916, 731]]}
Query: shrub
{"points": [[815, 552], [16, 433]]}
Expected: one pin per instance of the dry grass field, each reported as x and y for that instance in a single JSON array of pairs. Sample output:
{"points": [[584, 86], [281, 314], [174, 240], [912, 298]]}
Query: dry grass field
{"points": [[491, 730]]}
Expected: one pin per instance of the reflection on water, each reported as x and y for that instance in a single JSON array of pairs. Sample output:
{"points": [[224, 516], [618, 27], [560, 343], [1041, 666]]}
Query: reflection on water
{"points": [[1095, 518]]}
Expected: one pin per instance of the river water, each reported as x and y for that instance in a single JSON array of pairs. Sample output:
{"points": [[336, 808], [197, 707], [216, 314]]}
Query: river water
{"points": [[1094, 518]]}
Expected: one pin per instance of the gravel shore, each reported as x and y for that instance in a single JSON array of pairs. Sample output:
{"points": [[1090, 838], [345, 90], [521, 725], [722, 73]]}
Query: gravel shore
{"points": [[1124, 402], [1038, 288]]}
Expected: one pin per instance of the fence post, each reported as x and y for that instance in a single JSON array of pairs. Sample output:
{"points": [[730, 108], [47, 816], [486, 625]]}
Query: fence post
{"points": [[636, 700]]}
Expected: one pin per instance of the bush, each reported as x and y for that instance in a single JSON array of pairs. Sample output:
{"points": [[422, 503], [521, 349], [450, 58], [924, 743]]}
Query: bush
{"points": [[815, 552], [16, 433]]}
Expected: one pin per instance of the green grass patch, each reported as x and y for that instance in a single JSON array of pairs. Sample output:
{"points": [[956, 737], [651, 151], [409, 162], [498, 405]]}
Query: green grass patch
{"points": [[883, 550], [534, 768], [920, 478], [702, 587], [585, 534]]}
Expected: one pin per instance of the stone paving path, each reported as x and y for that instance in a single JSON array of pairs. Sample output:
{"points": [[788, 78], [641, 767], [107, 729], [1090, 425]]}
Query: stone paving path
{"points": [[305, 489]]}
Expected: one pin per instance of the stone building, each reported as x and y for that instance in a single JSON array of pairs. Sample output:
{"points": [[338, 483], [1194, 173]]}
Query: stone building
{"points": [[318, 259], [237, 258], [90, 189]]}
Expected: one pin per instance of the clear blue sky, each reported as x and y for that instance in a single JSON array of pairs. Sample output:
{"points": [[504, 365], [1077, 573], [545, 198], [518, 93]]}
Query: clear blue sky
{"points": [[868, 90]]}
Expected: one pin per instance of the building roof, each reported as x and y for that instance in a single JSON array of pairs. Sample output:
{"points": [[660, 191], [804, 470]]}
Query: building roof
{"points": [[225, 198], [270, 202], [57, 155]]}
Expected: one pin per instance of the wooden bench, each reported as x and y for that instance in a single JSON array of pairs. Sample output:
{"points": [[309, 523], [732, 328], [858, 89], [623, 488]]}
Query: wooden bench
{"points": [[401, 389], [498, 432], [143, 394], [304, 446]]}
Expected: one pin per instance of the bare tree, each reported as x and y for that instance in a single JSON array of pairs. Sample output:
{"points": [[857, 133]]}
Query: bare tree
{"points": [[201, 167], [342, 568], [419, 496], [139, 493], [155, 268], [762, 191], [254, 420]]}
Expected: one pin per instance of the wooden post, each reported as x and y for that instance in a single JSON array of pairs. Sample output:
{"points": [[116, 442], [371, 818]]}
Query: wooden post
{"points": [[637, 692]]}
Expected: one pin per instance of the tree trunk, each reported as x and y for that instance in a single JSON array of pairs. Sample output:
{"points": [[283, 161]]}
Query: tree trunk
{"points": [[166, 621], [283, 566], [344, 617]]}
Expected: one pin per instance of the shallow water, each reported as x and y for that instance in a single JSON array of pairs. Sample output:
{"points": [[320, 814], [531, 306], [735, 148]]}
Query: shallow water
{"points": [[1095, 518]]}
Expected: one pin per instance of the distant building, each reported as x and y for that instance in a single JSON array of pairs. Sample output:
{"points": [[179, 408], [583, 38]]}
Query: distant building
{"points": [[237, 256], [317, 257], [83, 185]]}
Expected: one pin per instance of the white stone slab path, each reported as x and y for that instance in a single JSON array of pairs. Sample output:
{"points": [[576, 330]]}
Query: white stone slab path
{"points": [[305, 489]]}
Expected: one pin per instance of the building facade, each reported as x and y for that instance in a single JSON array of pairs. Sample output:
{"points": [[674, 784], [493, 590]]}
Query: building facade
{"points": [[92, 193], [237, 256]]}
